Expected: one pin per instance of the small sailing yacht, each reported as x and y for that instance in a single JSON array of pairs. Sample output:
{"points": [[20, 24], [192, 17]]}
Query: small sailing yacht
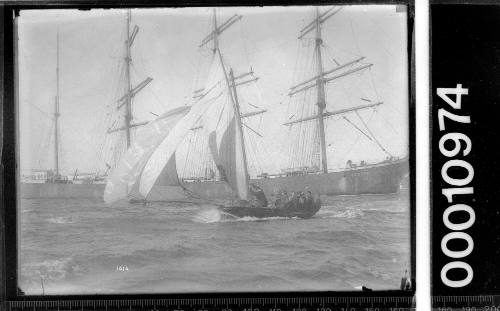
{"points": [[150, 159], [251, 204], [227, 146]]}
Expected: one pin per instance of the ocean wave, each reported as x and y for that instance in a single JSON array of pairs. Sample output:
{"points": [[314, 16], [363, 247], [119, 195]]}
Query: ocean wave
{"points": [[348, 243], [143, 257], [60, 220], [175, 251], [358, 210], [342, 236], [215, 215], [181, 251], [308, 253], [347, 213], [209, 216], [321, 274], [387, 209], [52, 270]]}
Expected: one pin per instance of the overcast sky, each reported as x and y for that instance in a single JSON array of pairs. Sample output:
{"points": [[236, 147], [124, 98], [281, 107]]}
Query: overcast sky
{"points": [[166, 49]]}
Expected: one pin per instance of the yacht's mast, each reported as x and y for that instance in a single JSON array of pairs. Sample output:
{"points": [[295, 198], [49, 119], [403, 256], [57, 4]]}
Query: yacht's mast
{"points": [[231, 81], [231, 86], [320, 86], [237, 116], [56, 115]]}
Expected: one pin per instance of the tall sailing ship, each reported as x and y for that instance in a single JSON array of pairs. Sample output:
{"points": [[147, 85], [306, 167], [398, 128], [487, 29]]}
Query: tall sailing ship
{"points": [[52, 183], [308, 163], [157, 176]]}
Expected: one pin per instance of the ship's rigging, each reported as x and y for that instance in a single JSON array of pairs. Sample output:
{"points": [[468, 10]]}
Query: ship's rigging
{"points": [[54, 175], [125, 102], [56, 117], [151, 161], [198, 163], [120, 117], [309, 101]]}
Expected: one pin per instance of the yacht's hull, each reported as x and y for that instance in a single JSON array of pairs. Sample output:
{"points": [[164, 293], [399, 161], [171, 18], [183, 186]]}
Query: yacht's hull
{"points": [[297, 209]]}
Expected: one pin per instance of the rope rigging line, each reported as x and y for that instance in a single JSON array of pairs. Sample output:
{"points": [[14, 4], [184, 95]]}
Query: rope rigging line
{"points": [[326, 48], [376, 28], [356, 127], [187, 159], [300, 147], [48, 139], [198, 166], [355, 142], [373, 83], [354, 36], [373, 136], [108, 148], [387, 122], [252, 150], [243, 38]]}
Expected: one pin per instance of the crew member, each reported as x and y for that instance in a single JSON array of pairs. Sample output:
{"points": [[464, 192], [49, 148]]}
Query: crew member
{"points": [[309, 197], [282, 199], [259, 195]]}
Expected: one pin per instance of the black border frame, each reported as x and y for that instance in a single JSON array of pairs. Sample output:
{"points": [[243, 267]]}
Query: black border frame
{"points": [[439, 296], [8, 172]]}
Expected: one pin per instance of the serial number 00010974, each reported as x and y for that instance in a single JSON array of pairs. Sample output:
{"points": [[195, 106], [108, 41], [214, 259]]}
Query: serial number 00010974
{"points": [[456, 147]]}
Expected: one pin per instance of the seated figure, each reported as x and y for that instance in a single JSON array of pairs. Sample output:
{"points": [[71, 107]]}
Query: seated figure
{"points": [[259, 195]]}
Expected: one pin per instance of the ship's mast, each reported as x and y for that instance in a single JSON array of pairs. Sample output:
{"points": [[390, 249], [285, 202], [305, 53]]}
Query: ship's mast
{"points": [[323, 77], [128, 60], [56, 115], [320, 86], [126, 100]]}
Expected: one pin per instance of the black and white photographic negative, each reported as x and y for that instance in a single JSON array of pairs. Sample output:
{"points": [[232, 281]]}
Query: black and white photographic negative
{"points": [[231, 149]]}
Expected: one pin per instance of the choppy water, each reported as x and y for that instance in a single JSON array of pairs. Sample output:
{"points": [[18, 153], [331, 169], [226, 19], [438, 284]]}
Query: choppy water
{"points": [[78, 246]]}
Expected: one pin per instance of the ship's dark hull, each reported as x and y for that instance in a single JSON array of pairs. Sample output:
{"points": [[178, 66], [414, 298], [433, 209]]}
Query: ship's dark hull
{"points": [[292, 209], [61, 191], [380, 178]]}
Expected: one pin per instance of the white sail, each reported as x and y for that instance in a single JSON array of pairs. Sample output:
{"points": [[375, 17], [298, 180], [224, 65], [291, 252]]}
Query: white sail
{"points": [[166, 150], [240, 165], [226, 147], [123, 180]]}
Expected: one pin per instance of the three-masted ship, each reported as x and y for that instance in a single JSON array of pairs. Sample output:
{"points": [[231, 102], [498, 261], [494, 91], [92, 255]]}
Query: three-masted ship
{"points": [[308, 163]]}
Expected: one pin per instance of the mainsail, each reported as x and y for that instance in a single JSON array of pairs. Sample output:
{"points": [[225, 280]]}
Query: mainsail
{"points": [[123, 181], [221, 123], [227, 146], [152, 155], [166, 149]]}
